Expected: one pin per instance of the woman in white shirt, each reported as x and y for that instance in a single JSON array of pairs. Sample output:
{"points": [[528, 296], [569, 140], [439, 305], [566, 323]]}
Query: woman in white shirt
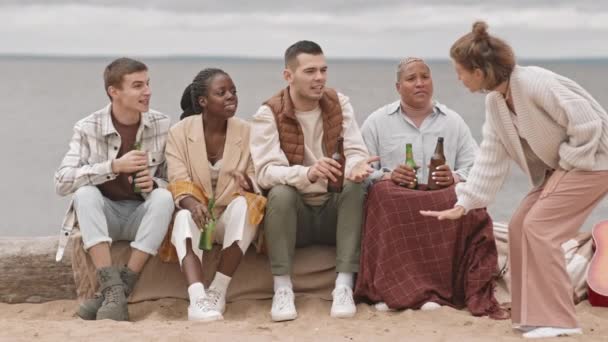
{"points": [[558, 134]]}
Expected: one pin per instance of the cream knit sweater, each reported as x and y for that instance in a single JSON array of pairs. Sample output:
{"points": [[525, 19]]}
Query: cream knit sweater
{"points": [[564, 126]]}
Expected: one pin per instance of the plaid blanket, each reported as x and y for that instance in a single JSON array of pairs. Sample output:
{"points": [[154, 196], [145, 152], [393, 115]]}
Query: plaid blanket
{"points": [[408, 259]]}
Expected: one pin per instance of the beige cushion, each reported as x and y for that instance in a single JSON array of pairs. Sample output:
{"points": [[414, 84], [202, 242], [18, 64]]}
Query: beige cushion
{"points": [[313, 274]]}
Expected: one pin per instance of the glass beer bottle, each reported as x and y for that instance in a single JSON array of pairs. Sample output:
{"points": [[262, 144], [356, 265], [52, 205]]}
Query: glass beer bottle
{"points": [[205, 242], [437, 159], [136, 189], [341, 159], [409, 161]]}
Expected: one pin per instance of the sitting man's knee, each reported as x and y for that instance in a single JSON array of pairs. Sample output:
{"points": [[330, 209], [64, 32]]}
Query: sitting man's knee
{"points": [[162, 198], [282, 195], [353, 189], [87, 195]]}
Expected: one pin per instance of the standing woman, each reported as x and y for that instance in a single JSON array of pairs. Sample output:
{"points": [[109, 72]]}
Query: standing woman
{"points": [[208, 157], [558, 134]]}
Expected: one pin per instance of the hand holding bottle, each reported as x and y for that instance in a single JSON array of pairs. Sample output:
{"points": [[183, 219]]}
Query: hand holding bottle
{"points": [[404, 174], [131, 162], [198, 211], [442, 175], [324, 168], [143, 181]]}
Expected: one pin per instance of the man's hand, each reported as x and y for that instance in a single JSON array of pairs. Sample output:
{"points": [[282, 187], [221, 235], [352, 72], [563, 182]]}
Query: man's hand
{"points": [[324, 168], [199, 212], [403, 174], [143, 180], [131, 162], [450, 214], [362, 170], [443, 175], [243, 181], [387, 175]]}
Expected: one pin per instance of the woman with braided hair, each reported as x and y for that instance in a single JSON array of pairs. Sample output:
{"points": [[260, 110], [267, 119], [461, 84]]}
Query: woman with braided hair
{"points": [[208, 160]]}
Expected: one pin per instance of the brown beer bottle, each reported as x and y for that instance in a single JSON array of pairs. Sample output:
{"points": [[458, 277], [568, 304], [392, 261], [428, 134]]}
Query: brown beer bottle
{"points": [[341, 159], [409, 161], [437, 159]]}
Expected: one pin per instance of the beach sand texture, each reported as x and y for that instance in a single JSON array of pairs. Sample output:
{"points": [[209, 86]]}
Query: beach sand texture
{"points": [[165, 320]]}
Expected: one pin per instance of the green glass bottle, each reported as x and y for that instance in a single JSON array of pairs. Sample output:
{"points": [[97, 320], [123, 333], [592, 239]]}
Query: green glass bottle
{"points": [[137, 146], [409, 161], [205, 243]]}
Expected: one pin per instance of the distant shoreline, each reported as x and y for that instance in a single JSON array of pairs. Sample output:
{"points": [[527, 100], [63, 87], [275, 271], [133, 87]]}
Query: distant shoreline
{"points": [[8, 56]]}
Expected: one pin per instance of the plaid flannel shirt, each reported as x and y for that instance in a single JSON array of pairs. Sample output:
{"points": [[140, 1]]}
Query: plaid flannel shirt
{"points": [[94, 145]]}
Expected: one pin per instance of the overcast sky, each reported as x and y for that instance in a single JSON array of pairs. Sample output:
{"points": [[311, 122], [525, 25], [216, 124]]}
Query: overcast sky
{"points": [[264, 28]]}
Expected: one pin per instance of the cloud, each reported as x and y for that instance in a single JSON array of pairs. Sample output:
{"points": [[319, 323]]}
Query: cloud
{"points": [[264, 28], [319, 6]]}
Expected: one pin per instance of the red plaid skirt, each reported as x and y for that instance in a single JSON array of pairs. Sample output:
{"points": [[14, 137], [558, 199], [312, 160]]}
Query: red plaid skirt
{"points": [[408, 259]]}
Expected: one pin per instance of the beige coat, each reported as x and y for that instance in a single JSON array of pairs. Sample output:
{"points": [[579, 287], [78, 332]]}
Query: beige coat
{"points": [[186, 155]]}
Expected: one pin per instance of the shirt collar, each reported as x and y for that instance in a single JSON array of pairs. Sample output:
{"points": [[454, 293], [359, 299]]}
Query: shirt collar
{"points": [[395, 107], [107, 127]]}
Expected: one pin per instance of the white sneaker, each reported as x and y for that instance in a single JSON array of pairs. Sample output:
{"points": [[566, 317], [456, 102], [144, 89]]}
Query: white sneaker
{"points": [[524, 328], [430, 306], [542, 332], [382, 307], [343, 305], [283, 306], [208, 308]]}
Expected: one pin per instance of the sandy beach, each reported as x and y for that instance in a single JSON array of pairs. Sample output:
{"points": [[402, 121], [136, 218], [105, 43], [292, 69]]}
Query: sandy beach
{"points": [[165, 320]]}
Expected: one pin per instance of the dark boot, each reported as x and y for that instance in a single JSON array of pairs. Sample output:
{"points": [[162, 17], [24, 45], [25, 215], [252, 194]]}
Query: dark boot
{"points": [[88, 309], [114, 305]]}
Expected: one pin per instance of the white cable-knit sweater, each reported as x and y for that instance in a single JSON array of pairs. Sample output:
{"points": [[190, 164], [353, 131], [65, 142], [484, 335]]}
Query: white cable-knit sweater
{"points": [[564, 126]]}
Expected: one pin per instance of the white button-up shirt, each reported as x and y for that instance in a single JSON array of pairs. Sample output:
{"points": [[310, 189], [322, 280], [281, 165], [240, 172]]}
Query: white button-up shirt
{"points": [[387, 130]]}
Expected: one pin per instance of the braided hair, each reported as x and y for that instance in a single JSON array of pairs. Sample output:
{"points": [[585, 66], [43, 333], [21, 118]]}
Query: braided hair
{"points": [[199, 87]]}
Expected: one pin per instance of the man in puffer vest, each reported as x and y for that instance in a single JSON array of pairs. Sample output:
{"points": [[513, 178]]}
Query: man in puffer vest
{"points": [[294, 134]]}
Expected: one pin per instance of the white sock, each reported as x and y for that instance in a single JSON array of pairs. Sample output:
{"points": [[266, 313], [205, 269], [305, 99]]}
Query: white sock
{"points": [[345, 279], [220, 282], [196, 291], [282, 281]]}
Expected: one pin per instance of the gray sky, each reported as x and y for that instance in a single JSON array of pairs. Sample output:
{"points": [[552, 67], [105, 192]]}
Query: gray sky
{"points": [[264, 28]]}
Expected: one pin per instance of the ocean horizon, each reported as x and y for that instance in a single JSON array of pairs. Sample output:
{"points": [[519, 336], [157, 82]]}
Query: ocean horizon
{"points": [[43, 96]]}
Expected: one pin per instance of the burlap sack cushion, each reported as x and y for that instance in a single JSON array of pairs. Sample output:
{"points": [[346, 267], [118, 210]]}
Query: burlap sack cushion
{"points": [[313, 275]]}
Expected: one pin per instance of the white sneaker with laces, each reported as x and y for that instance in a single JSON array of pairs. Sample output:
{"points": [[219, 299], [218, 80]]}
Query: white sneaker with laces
{"points": [[208, 308], [543, 332], [283, 306], [343, 305]]}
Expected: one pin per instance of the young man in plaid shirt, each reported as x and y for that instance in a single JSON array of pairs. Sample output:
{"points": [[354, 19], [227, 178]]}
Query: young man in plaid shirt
{"points": [[115, 171]]}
